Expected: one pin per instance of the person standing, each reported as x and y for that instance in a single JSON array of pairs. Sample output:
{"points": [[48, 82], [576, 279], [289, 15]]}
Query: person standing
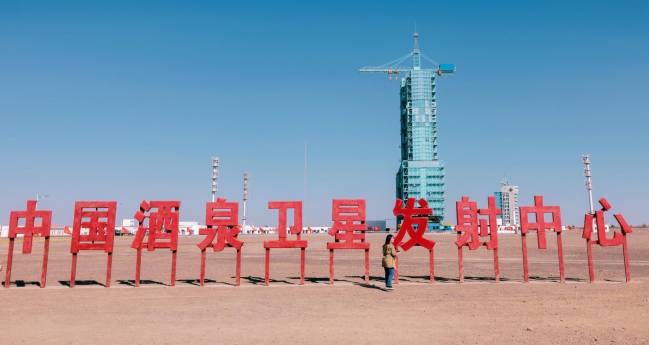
{"points": [[389, 254]]}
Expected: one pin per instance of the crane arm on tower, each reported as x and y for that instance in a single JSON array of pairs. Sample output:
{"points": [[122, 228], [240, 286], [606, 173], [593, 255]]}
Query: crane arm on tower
{"points": [[391, 67], [383, 70], [394, 66]]}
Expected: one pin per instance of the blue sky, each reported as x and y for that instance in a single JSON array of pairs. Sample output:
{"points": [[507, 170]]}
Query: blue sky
{"points": [[129, 101]]}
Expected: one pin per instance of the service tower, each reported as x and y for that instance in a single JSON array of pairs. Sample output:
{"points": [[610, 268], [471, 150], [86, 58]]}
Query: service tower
{"points": [[421, 173]]}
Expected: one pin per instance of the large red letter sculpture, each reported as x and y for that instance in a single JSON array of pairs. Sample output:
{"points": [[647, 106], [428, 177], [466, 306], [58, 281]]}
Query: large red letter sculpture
{"points": [[98, 219], [282, 242], [467, 230], [36, 223], [348, 231], [619, 238], [413, 216], [161, 228], [540, 225], [222, 221]]}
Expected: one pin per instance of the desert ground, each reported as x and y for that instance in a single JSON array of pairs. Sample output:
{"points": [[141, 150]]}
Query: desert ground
{"points": [[479, 310]]}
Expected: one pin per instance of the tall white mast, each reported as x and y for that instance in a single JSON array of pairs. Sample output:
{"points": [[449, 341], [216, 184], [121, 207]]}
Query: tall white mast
{"points": [[585, 158], [245, 198], [216, 162]]}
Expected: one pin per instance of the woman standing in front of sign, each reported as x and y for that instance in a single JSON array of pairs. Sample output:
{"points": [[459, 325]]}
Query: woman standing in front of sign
{"points": [[389, 254]]}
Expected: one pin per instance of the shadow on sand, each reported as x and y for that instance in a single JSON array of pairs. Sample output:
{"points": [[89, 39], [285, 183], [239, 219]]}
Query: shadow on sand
{"points": [[24, 283], [197, 282], [260, 280], [81, 283], [130, 282], [553, 279]]}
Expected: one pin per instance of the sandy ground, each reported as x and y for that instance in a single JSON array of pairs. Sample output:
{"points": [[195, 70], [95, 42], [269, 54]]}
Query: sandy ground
{"points": [[477, 311]]}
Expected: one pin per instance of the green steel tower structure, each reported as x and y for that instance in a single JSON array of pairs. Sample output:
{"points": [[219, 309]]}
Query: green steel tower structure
{"points": [[421, 173]]}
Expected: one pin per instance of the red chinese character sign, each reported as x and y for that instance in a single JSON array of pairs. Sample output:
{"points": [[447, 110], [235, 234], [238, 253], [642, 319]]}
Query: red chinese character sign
{"points": [[35, 223], [158, 221], [348, 231], [619, 238], [471, 230], [283, 241], [540, 225], [222, 221], [93, 229], [414, 224]]}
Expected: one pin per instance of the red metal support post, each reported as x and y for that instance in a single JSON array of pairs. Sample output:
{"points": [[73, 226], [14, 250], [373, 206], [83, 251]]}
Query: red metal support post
{"points": [[173, 268], [562, 275], [396, 269], [73, 270], [431, 258], [267, 267], [496, 267], [202, 273], [302, 264], [589, 252], [46, 253], [525, 270], [109, 269], [238, 268], [367, 265], [331, 266]]}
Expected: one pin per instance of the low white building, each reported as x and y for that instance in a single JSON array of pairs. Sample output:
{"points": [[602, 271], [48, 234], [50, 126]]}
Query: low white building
{"points": [[185, 228]]}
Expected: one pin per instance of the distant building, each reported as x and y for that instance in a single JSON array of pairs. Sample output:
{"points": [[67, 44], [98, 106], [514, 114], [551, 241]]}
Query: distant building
{"points": [[507, 202], [188, 228], [185, 228], [55, 231], [130, 223], [376, 225]]}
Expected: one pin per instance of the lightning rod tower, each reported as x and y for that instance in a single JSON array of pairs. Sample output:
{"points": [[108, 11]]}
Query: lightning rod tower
{"points": [[245, 199], [216, 163], [585, 158]]}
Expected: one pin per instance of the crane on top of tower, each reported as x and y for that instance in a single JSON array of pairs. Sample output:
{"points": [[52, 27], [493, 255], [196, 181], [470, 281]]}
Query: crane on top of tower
{"points": [[394, 67]]}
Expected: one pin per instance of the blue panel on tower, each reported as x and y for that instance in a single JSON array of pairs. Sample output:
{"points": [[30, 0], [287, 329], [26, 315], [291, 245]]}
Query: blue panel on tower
{"points": [[447, 68]]}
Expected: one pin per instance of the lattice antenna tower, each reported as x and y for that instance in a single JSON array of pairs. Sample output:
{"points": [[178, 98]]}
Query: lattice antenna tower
{"points": [[245, 198], [216, 164], [585, 158]]}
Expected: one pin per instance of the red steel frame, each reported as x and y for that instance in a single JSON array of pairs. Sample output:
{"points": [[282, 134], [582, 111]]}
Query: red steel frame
{"points": [[619, 238], [221, 219], [101, 234], [540, 225], [467, 230], [29, 230], [282, 242], [413, 216], [163, 224], [348, 230]]}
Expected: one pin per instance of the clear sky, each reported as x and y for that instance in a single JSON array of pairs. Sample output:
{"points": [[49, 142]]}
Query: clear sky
{"points": [[129, 101]]}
